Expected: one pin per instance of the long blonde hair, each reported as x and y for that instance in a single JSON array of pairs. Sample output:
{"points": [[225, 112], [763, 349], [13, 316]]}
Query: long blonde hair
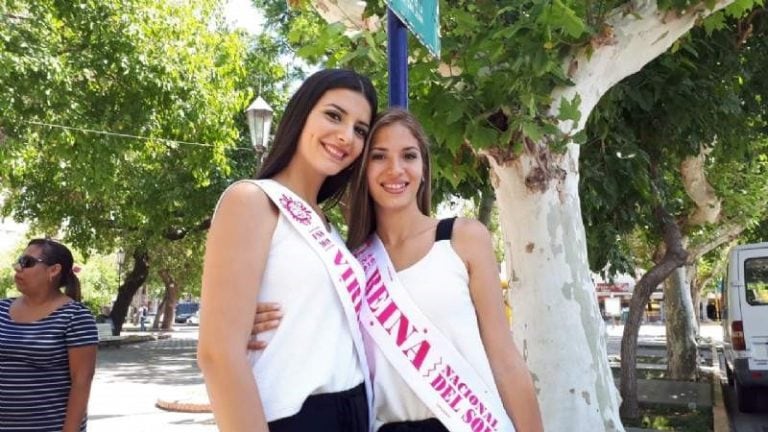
{"points": [[362, 217]]}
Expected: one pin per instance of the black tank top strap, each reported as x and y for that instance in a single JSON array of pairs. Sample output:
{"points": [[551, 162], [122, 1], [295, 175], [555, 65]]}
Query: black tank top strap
{"points": [[444, 229]]}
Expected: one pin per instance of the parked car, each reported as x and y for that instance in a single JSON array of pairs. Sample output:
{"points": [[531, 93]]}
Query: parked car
{"points": [[194, 319], [745, 322], [185, 310]]}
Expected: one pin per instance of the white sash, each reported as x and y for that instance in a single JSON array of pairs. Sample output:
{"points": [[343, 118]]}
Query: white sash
{"points": [[345, 271], [439, 375]]}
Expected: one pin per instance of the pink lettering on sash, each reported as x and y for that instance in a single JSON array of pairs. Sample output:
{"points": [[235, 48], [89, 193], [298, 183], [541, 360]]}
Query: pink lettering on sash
{"points": [[348, 277], [377, 297], [417, 353], [390, 316], [388, 311], [459, 397], [401, 334]]}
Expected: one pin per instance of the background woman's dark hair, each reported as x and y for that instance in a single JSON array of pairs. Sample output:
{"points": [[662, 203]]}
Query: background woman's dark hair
{"points": [[56, 253], [363, 222], [295, 116]]}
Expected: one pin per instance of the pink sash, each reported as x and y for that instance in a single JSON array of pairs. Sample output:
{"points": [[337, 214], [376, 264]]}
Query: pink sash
{"points": [[345, 271], [439, 375]]}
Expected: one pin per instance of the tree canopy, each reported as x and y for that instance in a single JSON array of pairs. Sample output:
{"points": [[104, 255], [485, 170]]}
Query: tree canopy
{"points": [[704, 97], [122, 120]]}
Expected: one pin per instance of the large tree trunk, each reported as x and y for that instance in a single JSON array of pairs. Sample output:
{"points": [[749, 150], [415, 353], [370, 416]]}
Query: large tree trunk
{"points": [[133, 281], [557, 324], [698, 310], [674, 257], [155, 325], [485, 209], [170, 299], [636, 37], [681, 329]]}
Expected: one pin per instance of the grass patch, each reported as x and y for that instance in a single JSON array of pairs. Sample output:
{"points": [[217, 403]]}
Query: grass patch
{"points": [[665, 418]]}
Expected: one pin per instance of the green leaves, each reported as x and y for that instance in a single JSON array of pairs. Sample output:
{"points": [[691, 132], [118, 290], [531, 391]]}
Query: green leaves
{"points": [[160, 70], [739, 8], [561, 18], [570, 109], [482, 136], [699, 96]]}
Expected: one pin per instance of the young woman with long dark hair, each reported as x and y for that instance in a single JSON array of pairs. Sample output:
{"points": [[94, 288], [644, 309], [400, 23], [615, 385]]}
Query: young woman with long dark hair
{"points": [[270, 241]]}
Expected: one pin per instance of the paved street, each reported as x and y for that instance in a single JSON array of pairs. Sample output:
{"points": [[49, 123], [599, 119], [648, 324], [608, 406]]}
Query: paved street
{"points": [[741, 422]]}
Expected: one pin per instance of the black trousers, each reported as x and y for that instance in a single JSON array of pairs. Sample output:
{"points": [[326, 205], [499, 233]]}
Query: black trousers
{"points": [[345, 411], [428, 425]]}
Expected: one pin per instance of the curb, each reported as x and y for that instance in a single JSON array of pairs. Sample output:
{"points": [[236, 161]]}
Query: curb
{"points": [[179, 406], [131, 339], [719, 414]]}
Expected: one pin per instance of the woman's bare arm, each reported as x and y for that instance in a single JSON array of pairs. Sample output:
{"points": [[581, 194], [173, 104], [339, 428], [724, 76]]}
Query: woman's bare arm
{"points": [[82, 365], [235, 258], [513, 380]]}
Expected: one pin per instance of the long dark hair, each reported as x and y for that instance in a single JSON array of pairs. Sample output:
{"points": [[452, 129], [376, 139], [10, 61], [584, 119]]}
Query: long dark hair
{"points": [[295, 116], [56, 253], [363, 220]]}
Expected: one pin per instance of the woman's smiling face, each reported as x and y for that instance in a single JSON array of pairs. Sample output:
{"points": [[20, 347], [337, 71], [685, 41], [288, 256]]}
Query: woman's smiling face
{"points": [[335, 131], [395, 167]]}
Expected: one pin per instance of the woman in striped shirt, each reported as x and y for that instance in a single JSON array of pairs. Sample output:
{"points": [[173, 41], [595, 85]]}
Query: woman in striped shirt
{"points": [[47, 345]]}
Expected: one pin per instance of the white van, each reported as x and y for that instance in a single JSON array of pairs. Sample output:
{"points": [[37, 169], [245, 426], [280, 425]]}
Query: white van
{"points": [[745, 322]]}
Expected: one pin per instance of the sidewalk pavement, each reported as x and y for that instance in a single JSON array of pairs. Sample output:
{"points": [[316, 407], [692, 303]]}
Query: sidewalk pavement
{"points": [[130, 380]]}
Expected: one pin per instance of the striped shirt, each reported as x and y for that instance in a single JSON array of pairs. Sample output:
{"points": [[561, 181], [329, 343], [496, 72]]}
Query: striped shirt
{"points": [[34, 366]]}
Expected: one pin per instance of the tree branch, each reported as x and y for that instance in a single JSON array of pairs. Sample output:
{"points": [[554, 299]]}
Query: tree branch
{"points": [[16, 17], [347, 12], [724, 234], [638, 33], [174, 234], [718, 269], [708, 205]]}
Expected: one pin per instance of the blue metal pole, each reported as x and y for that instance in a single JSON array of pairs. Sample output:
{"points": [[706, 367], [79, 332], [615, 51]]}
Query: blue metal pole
{"points": [[397, 52]]}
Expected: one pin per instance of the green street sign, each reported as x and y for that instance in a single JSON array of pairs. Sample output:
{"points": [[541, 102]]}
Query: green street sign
{"points": [[422, 17]]}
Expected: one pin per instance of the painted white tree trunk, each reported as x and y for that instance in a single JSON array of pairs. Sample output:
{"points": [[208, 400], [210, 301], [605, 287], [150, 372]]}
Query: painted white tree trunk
{"points": [[556, 320], [557, 323]]}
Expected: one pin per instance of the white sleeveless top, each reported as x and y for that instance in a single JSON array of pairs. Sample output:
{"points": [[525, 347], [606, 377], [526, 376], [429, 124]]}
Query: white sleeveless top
{"points": [[311, 351], [439, 286]]}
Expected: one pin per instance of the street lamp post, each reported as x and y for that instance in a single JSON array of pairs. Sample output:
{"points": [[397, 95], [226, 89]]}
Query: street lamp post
{"points": [[259, 115], [120, 260]]}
